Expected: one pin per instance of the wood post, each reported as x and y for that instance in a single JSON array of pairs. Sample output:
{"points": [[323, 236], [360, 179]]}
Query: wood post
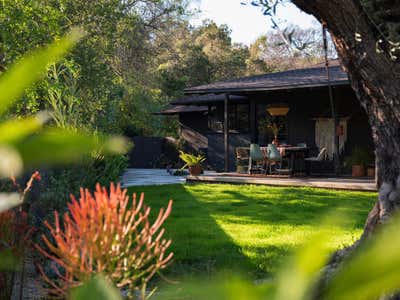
{"points": [[226, 133], [253, 122], [335, 118]]}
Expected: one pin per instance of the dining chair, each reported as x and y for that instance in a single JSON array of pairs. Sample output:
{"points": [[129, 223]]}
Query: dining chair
{"points": [[319, 158], [256, 157], [242, 159], [274, 157]]}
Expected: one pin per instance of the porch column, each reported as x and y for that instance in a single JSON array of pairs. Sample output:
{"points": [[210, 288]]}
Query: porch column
{"points": [[226, 133], [253, 122], [335, 118]]}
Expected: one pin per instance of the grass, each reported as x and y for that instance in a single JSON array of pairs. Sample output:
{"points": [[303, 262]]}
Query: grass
{"points": [[249, 228]]}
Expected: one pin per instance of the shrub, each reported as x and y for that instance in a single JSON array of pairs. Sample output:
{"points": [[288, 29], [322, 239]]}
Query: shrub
{"points": [[106, 233]]}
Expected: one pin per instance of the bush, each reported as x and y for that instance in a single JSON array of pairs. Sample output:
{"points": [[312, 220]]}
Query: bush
{"points": [[106, 233]]}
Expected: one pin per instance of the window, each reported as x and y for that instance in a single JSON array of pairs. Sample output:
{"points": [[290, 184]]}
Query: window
{"points": [[238, 118], [216, 118]]}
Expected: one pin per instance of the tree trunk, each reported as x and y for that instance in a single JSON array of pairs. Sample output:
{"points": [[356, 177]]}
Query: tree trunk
{"points": [[375, 78]]}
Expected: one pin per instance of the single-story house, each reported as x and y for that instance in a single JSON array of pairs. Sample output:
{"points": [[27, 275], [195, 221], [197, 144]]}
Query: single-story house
{"points": [[297, 99]]}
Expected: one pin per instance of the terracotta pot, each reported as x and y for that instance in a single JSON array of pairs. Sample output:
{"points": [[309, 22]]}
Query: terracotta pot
{"points": [[195, 170], [242, 169], [357, 171], [371, 172]]}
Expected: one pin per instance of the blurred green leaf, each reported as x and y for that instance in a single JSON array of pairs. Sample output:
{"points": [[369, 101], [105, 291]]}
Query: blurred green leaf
{"points": [[11, 162], [16, 129], [56, 145], [30, 68], [8, 262], [221, 287], [297, 278], [97, 288], [9, 200], [373, 270]]}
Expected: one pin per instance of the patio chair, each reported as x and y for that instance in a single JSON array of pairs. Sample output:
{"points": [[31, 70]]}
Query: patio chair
{"points": [[274, 157], [310, 160], [242, 159], [256, 157]]}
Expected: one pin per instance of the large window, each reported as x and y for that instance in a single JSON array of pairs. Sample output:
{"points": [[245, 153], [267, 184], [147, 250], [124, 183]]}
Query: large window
{"points": [[238, 118]]}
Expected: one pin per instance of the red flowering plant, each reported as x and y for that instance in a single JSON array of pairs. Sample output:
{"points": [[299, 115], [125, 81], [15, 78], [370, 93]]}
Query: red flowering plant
{"points": [[109, 234]]}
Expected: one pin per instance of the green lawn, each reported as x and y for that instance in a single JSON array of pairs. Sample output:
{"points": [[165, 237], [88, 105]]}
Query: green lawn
{"points": [[249, 228]]}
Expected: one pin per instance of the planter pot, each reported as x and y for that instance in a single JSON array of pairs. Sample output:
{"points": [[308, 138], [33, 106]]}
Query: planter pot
{"points": [[357, 171], [242, 169], [371, 172], [195, 170]]}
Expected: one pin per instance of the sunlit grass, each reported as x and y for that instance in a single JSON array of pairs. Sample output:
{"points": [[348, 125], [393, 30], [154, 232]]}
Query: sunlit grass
{"points": [[248, 228]]}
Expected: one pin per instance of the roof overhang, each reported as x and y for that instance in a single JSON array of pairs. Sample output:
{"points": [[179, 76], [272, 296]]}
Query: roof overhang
{"points": [[179, 109], [262, 89]]}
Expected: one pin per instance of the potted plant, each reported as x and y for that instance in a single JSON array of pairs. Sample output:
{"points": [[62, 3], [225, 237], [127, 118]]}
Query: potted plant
{"points": [[193, 162], [358, 160], [274, 128]]}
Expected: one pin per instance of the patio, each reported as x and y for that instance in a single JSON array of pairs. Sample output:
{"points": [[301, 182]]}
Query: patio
{"points": [[338, 183]]}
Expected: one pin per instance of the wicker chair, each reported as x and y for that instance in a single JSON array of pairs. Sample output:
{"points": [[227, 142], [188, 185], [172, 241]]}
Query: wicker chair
{"points": [[242, 159]]}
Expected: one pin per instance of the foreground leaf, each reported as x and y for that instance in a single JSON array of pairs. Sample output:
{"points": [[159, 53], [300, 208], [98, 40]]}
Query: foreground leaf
{"points": [[9, 200], [373, 270], [97, 288], [15, 130], [56, 145], [8, 262]]}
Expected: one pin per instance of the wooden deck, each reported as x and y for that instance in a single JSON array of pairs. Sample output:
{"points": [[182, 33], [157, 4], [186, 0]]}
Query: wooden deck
{"points": [[340, 183]]}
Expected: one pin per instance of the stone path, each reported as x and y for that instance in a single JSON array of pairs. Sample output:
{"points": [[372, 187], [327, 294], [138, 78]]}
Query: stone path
{"points": [[31, 288], [133, 177]]}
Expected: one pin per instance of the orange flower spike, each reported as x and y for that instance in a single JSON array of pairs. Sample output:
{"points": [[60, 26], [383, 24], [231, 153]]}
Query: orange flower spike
{"points": [[105, 232]]}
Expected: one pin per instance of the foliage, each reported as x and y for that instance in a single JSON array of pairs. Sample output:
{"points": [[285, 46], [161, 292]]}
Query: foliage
{"points": [[272, 124], [106, 233], [250, 229], [97, 288], [190, 159], [22, 141], [359, 156], [25, 142], [382, 16]]}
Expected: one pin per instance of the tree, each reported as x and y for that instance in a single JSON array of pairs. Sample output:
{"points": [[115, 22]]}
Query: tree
{"points": [[363, 32], [366, 34]]}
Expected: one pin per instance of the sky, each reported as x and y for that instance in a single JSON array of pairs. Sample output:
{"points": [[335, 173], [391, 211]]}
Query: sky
{"points": [[246, 21]]}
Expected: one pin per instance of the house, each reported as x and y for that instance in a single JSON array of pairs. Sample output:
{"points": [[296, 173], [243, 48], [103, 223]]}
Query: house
{"points": [[297, 99]]}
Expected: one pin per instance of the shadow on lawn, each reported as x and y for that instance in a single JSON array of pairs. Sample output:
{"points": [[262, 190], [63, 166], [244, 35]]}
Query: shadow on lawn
{"points": [[199, 244]]}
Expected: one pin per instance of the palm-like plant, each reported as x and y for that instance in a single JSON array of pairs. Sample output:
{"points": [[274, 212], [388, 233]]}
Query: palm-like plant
{"points": [[190, 159]]}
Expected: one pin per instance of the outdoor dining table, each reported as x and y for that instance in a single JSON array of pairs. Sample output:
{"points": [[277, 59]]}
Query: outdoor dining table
{"points": [[291, 152]]}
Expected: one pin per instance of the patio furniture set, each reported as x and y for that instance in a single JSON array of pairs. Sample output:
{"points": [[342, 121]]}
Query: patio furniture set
{"points": [[277, 160]]}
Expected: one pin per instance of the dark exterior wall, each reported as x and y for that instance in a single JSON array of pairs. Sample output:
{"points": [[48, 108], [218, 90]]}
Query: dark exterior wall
{"points": [[194, 130], [145, 152]]}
